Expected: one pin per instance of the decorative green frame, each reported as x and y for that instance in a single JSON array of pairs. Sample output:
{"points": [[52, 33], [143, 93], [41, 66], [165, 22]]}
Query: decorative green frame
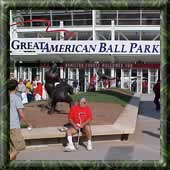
{"points": [[6, 5]]}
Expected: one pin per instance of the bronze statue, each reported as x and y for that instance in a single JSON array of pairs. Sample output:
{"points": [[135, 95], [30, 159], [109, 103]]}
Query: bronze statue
{"points": [[51, 77], [58, 93]]}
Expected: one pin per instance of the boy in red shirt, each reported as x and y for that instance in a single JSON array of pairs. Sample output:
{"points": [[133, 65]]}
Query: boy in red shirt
{"points": [[79, 116]]}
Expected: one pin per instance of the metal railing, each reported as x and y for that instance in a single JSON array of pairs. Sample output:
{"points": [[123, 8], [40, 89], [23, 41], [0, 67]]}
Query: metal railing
{"points": [[140, 17], [75, 18]]}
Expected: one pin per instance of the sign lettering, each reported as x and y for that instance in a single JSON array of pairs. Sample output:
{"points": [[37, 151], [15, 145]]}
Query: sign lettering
{"points": [[47, 46]]}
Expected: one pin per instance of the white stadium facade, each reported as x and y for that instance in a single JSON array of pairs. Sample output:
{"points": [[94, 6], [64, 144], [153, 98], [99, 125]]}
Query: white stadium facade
{"points": [[124, 44]]}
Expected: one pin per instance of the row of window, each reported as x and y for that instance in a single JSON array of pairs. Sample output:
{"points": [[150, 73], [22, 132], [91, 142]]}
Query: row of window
{"points": [[103, 17], [100, 35]]}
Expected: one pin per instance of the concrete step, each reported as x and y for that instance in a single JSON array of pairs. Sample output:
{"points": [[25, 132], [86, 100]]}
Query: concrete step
{"points": [[54, 132]]}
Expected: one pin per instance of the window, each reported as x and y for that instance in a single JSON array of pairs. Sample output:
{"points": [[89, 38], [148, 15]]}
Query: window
{"points": [[64, 16], [130, 35], [80, 35], [150, 17], [150, 35], [40, 15], [20, 16], [74, 74], [82, 17], [128, 17], [104, 17], [134, 73], [103, 35]]}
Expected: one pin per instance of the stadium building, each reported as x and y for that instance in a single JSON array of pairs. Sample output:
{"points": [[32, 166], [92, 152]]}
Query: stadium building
{"points": [[124, 44]]}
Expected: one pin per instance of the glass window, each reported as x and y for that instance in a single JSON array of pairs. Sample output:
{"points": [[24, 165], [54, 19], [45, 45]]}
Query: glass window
{"points": [[84, 35], [150, 17], [37, 14], [104, 17], [26, 18], [64, 16], [145, 73], [107, 72], [153, 72], [126, 79], [150, 35], [74, 74], [130, 35], [126, 73], [139, 73], [72, 37], [134, 72], [27, 35], [103, 35], [82, 17], [20, 17], [153, 78], [129, 17], [117, 36]]}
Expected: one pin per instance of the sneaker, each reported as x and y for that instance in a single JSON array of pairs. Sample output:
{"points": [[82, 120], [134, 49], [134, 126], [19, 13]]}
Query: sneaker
{"points": [[69, 148], [89, 147]]}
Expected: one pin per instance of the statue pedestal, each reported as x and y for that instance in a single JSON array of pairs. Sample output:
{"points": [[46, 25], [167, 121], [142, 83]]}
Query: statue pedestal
{"points": [[62, 107]]}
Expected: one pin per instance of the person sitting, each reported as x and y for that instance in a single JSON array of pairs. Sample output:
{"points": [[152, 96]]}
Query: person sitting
{"points": [[80, 116]]}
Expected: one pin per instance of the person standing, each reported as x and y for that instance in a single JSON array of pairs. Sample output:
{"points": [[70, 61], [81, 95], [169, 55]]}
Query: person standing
{"points": [[17, 142], [156, 90], [134, 85], [28, 85], [44, 93], [22, 91], [75, 84], [38, 91], [93, 82], [144, 86], [80, 116], [30, 96], [35, 81]]}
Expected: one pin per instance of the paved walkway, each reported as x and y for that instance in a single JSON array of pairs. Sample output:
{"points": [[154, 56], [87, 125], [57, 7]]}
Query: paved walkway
{"points": [[143, 145]]}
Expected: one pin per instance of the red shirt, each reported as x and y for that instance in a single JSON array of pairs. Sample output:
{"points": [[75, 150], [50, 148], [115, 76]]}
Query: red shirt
{"points": [[74, 114], [38, 89], [92, 79]]}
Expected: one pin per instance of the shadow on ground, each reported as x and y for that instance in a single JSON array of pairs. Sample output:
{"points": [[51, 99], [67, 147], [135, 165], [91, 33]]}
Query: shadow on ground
{"points": [[125, 97], [151, 134], [147, 108], [120, 153]]}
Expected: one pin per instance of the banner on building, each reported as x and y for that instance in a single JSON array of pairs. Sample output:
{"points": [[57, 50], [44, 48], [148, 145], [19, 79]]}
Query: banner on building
{"points": [[104, 65], [36, 46], [111, 65]]}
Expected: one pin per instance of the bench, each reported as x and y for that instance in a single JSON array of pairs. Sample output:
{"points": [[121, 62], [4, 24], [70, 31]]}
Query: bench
{"points": [[123, 126]]}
